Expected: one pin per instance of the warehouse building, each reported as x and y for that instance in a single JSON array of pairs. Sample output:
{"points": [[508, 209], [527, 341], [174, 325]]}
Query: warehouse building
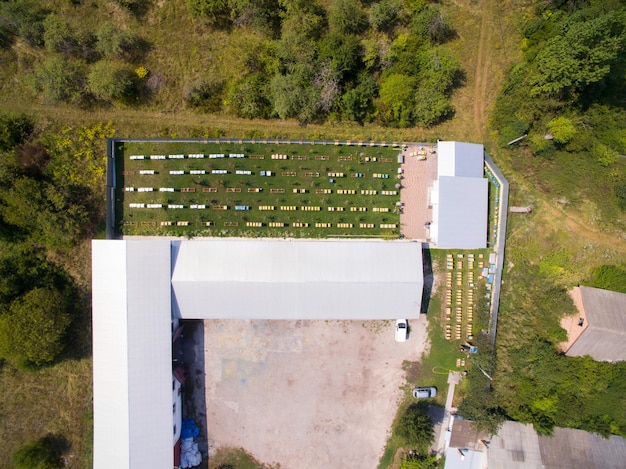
{"points": [[141, 288], [459, 197]]}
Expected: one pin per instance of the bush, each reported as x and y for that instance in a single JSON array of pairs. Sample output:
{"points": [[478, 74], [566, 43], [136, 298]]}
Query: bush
{"points": [[38, 454]]}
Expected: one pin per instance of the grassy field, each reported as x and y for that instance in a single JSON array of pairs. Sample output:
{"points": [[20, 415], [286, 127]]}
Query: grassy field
{"points": [[302, 180]]}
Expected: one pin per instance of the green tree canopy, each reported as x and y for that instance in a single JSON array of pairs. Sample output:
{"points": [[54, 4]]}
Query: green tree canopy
{"points": [[110, 81], [397, 97], [416, 428], [57, 36], [58, 79], [14, 130], [581, 55], [347, 17], [32, 332], [562, 129]]}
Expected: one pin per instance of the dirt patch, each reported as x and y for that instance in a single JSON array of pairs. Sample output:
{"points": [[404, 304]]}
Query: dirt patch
{"points": [[306, 393]]}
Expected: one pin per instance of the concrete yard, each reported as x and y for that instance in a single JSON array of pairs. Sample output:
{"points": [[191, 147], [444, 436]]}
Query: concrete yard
{"points": [[314, 394]]}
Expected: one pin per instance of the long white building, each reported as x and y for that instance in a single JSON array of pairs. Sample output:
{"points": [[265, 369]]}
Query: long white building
{"points": [[140, 285], [459, 197]]}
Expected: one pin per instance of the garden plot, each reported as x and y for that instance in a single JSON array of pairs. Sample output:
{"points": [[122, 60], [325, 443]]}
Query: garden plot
{"points": [[257, 190]]}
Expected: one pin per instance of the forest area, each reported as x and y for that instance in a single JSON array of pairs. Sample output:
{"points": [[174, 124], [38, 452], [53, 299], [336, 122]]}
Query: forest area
{"points": [[74, 72]]}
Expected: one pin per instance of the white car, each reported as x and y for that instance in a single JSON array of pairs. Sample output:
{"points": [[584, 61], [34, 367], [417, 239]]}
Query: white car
{"points": [[424, 393], [402, 329]]}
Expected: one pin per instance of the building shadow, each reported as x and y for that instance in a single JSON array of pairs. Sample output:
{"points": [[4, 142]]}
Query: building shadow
{"points": [[194, 405], [428, 279]]}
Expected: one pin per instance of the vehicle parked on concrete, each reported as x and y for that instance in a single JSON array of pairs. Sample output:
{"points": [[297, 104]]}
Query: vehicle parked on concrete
{"points": [[402, 329]]}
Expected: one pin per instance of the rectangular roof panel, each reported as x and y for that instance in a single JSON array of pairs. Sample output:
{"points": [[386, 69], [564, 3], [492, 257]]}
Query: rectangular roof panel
{"points": [[462, 213], [304, 279], [132, 354], [460, 159]]}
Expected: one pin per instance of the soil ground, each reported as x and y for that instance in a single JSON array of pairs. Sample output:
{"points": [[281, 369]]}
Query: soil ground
{"points": [[314, 394]]}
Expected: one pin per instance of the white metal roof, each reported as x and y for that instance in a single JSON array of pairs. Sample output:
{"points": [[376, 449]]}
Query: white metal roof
{"points": [[461, 214], [460, 159], [303, 279], [132, 354]]}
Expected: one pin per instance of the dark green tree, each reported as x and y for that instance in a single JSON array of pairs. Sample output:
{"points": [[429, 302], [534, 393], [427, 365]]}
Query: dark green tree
{"points": [[396, 98], [248, 97], [32, 331], [58, 79], [14, 130], [347, 17], [57, 36], [581, 55], [110, 81], [416, 428]]}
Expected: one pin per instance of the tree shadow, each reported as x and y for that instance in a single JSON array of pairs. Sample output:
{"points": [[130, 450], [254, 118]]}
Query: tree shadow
{"points": [[58, 444]]}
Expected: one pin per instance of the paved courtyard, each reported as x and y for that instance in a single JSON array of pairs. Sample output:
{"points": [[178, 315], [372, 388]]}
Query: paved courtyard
{"points": [[418, 177], [314, 394]]}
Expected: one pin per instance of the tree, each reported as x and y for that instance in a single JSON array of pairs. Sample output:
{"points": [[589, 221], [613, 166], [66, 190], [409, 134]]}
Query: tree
{"points": [[347, 17], [38, 454], [416, 428], [214, 11], [604, 154], [562, 129], [609, 277], [419, 462], [50, 215], [114, 42], [32, 332], [110, 81], [383, 15], [58, 79], [14, 130], [431, 107], [431, 25], [24, 19], [24, 267], [292, 97], [57, 36], [396, 96], [581, 55], [247, 97]]}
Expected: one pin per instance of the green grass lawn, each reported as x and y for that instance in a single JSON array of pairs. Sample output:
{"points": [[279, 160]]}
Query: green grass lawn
{"points": [[305, 171]]}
